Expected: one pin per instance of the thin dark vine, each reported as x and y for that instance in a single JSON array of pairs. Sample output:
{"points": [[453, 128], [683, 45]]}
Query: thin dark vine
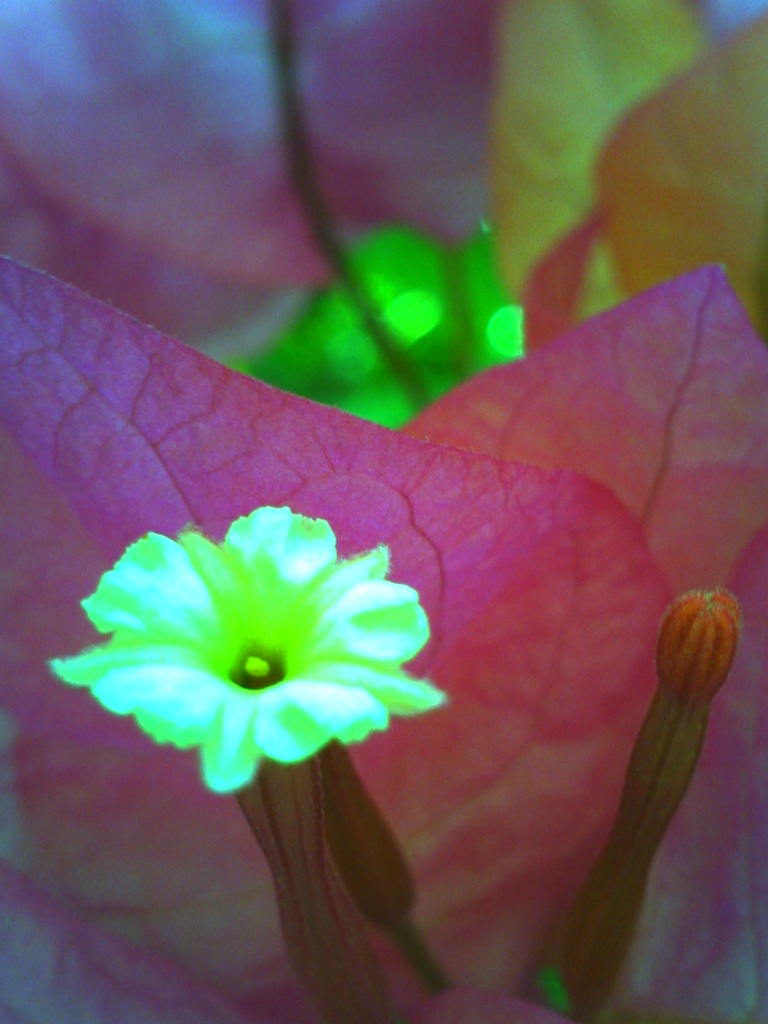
{"points": [[302, 170]]}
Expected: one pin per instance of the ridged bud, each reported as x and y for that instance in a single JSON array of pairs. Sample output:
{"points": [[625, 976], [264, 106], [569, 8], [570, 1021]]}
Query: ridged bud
{"points": [[697, 642], [696, 645]]}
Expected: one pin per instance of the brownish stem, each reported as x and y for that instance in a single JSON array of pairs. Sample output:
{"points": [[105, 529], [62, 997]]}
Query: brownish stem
{"points": [[371, 861], [594, 938], [325, 936], [415, 950], [305, 182], [367, 854]]}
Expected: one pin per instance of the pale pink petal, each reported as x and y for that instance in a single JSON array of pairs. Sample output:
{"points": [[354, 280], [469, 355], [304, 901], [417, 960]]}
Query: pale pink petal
{"points": [[55, 969], [565, 72], [220, 317], [466, 1007], [142, 849], [553, 292], [157, 121], [683, 179]]}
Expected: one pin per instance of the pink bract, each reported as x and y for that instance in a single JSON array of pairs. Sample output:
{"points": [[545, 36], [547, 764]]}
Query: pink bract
{"points": [[544, 588], [663, 401], [141, 154]]}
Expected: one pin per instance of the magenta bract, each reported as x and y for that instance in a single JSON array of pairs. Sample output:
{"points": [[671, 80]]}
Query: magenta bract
{"points": [[544, 590]]}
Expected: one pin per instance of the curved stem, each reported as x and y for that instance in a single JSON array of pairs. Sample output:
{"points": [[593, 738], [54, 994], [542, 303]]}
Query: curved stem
{"points": [[411, 944], [371, 862], [325, 935], [302, 172]]}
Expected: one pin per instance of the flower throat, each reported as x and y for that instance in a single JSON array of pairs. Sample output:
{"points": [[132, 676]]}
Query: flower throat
{"points": [[257, 670]]}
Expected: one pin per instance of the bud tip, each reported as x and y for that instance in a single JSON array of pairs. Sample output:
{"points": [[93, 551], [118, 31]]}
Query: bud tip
{"points": [[697, 642]]}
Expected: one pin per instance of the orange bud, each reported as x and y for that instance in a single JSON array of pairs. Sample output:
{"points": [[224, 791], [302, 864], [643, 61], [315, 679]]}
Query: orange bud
{"points": [[695, 648], [697, 642]]}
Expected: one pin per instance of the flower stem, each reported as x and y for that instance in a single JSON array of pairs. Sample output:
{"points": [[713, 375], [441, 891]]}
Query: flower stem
{"points": [[411, 944], [305, 182], [325, 936], [371, 861], [695, 649]]}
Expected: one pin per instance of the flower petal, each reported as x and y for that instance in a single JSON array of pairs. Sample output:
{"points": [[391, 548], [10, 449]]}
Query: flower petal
{"points": [[398, 691], [333, 586], [155, 591], [175, 704], [230, 753], [86, 668], [273, 540], [378, 621], [295, 719]]}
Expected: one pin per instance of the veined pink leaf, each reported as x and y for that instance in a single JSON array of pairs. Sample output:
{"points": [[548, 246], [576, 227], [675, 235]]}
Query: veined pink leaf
{"points": [[661, 399], [56, 969], [543, 601], [544, 605]]}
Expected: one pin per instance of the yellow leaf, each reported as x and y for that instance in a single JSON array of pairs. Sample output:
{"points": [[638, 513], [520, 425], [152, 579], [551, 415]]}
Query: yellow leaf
{"points": [[685, 179], [567, 70]]}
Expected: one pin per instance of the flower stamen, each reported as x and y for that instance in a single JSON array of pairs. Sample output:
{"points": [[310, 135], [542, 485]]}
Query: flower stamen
{"points": [[256, 672]]}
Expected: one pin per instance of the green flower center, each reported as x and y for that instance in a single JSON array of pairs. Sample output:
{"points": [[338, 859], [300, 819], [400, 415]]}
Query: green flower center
{"points": [[257, 669]]}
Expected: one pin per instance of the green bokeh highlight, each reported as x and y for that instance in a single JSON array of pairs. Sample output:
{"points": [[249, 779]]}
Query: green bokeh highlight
{"points": [[550, 983], [444, 305]]}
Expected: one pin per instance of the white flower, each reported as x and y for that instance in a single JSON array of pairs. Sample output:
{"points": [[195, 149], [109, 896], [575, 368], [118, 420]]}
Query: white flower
{"points": [[262, 646]]}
